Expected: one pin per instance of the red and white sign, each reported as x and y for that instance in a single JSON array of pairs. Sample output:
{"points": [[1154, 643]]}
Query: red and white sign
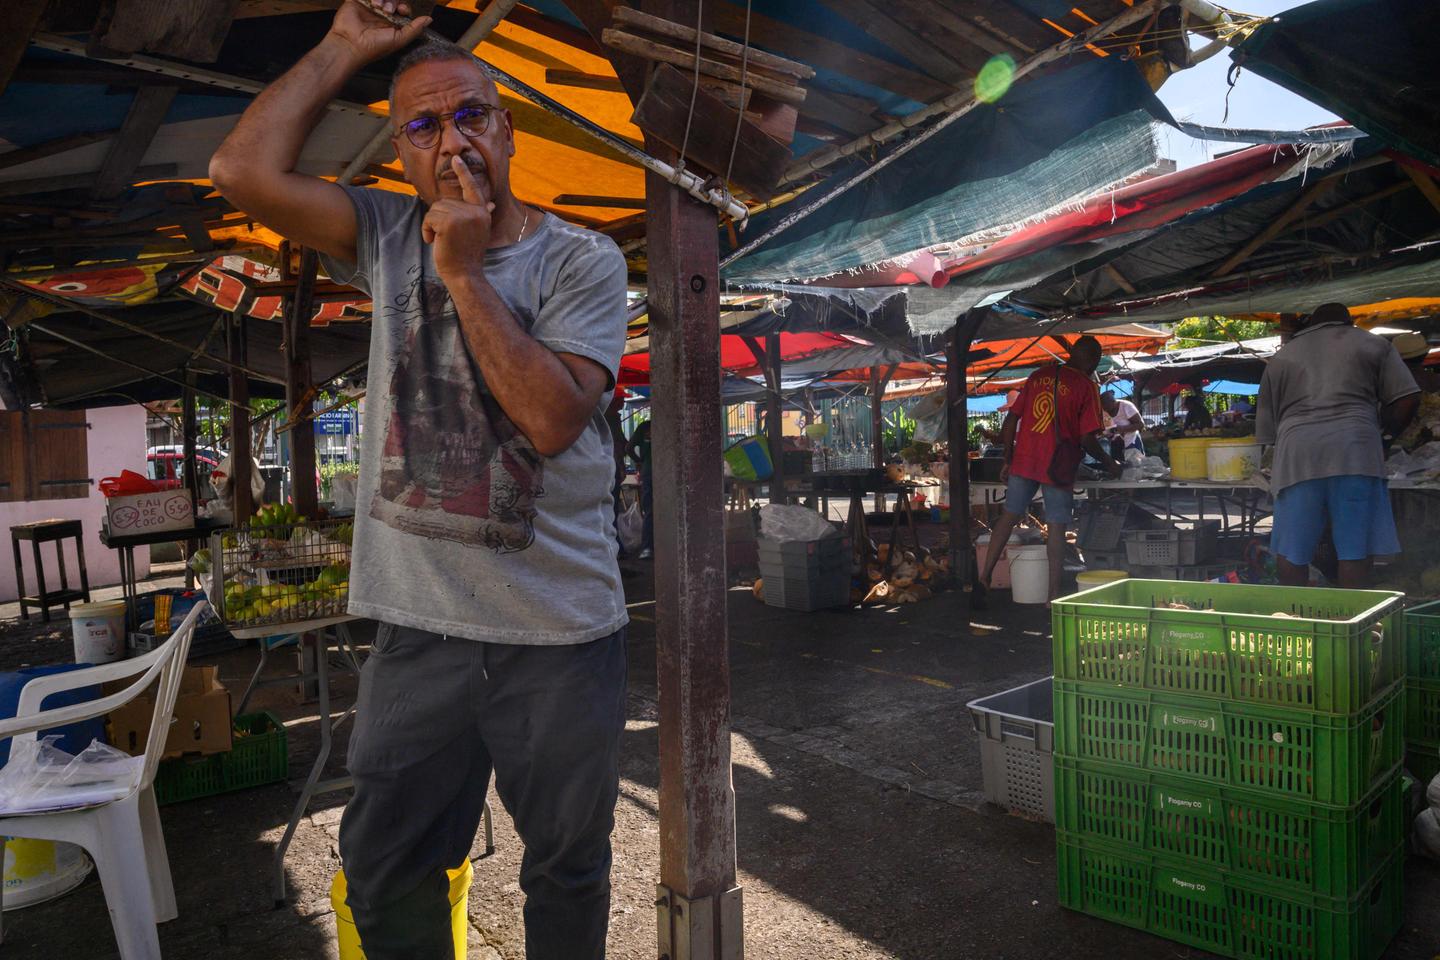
{"points": [[136, 513]]}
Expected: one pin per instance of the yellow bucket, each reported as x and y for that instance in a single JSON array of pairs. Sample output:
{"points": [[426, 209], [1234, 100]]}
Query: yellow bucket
{"points": [[1086, 579], [1188, 458], [349, 937]]}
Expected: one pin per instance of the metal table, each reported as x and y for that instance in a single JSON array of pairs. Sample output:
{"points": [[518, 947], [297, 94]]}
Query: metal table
{"points": [[126, 544], [1245, 496], [320, 633]]}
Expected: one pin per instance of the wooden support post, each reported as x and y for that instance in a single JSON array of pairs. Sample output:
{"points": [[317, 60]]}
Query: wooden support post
{"points": [[18, 19], [240, 459], [877, 431], [191, 476], [775, 419], [190, 472], [300, 388], [698, 904], [957, 419]]}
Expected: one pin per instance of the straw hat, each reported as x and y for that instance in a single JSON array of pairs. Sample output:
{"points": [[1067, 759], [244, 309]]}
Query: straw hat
{"points": [[1412, 346]]}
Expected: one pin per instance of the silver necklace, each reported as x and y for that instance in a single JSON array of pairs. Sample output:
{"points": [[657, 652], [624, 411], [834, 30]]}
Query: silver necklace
{"points": [[523, 224]]}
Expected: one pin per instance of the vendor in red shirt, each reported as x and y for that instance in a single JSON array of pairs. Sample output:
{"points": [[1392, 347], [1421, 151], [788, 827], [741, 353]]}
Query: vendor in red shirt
{"points": [[1055, 417]]}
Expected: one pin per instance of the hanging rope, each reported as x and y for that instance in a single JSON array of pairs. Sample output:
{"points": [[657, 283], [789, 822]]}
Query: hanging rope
{"points": [[740, 114], [695, 81]]}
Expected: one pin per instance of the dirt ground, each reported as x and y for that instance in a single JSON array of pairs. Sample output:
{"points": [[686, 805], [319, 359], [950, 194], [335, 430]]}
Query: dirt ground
{"points": [[861, 824]]}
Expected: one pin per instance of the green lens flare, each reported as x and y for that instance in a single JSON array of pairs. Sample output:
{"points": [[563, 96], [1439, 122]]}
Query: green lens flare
{"points": [[995, 78]]}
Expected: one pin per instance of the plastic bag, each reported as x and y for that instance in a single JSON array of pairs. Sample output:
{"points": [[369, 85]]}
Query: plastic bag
{"points": [[784, 522], [342, 490], [40, 776], [630, 527]]}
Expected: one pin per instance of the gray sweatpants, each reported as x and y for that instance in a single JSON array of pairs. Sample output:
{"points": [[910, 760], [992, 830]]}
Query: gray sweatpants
{"points": [[435, 716]]}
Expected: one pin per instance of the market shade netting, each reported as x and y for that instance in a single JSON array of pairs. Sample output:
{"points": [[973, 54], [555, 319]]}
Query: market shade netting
{"points": [[1370, 61], [1041, 145]]}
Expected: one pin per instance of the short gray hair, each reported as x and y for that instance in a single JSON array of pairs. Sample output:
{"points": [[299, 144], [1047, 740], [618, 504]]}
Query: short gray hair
{"points": [[429, 50]]}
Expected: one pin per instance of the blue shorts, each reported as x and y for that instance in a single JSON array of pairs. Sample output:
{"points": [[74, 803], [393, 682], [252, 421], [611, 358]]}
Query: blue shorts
{"points": [[1355, 509], [1059, 501]]}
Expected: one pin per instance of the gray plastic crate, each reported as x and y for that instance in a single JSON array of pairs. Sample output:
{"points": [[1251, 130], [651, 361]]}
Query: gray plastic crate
{"points": [[804, 551], [1171, 547], [812, 593], [1017, 748]]}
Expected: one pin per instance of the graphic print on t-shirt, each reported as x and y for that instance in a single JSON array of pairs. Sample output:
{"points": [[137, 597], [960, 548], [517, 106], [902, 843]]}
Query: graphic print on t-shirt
{"points": [[453, 465]]}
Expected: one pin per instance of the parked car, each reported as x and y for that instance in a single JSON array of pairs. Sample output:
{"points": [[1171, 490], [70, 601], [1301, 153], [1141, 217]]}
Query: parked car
{"points": [[165, 465]]}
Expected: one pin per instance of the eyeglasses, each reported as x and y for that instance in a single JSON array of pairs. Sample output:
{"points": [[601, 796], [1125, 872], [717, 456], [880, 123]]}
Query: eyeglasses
{"points": [[424, 132]]}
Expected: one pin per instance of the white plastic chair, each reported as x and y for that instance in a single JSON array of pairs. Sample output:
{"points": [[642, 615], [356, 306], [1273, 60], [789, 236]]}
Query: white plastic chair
{"points": [[122, 835]]}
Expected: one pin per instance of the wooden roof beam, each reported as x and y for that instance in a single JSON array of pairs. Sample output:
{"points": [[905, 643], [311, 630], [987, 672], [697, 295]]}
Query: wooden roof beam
{"points": [[147, 113], [187, 29], [882, 23], [1426, 185], [977, 34], [18, 20], [817, 51]]}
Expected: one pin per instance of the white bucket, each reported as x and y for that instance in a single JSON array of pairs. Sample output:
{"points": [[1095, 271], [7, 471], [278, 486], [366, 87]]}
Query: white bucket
{"points": [[99, 631], [1232, 460], [40, 870], [1029, 575]]}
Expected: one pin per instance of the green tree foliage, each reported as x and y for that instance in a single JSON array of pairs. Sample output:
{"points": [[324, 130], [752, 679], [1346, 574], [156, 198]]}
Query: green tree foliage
{"points": [[1205, 331]]}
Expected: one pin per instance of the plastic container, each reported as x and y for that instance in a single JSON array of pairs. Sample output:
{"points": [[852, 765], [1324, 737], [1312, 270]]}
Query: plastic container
{"points": [[750, 459], [1232, 460], [41, 870], [1086, 579], [798, 558], [1423, 761], [1287, 754], [1029, 574], [1171, 547], [349, 938], [1308, 847], [1335, 653], [819, 593], [1188, 458], [260, 755], [1000, 578], [73, 738], [1219, 912], [99, 631], [1422, 711], [1017, 746], [1101, 527], [1422, 641]]}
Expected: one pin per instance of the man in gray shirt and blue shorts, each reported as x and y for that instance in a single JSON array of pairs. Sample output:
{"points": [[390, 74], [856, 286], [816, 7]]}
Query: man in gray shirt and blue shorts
{"points": [[484, 538], [1324, 399]]}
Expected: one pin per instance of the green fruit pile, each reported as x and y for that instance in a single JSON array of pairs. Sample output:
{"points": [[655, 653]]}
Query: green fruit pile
{"points": [[274, 520], [326, 595]]}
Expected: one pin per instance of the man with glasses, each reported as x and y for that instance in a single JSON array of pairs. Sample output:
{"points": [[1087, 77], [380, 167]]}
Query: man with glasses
{"points": [[484, 541]]}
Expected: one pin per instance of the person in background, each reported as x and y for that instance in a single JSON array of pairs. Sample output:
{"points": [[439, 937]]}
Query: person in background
{"points": [[1324, 399], [639, 450], [1425, 426], [1123, 424], [1058, 409], [1197, 415]]}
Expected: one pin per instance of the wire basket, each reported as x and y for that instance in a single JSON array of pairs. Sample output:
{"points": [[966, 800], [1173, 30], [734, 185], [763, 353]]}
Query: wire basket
{"points": [[279, 569]]}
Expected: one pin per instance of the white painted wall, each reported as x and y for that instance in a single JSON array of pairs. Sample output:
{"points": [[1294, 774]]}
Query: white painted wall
{"points": [[116, 441]]}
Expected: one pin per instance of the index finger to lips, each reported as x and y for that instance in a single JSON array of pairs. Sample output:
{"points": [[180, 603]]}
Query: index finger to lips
{"points": [[469, 189]]}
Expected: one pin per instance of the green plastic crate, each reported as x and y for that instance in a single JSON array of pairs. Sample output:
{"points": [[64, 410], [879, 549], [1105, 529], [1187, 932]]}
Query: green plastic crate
{"points": [[1423, 761], [1337, 651], [1312, 757], [1422, 641], [1307, 847], [1209, 909], [259, 756], [1422, 711]]}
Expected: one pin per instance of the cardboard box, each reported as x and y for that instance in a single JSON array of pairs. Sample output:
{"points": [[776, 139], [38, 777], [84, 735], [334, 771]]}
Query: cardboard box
{"points": [[163, 510], [202, 717]]}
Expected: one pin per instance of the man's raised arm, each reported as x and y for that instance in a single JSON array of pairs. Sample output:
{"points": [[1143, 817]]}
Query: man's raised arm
{"points": [[255, 167]]}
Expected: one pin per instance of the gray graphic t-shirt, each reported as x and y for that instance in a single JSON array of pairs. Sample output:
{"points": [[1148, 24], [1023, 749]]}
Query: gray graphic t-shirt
{"points": [[461, 527]]}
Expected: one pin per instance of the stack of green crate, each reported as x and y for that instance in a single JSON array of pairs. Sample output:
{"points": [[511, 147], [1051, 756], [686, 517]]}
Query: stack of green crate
{"points": [[1227, 765], [1422, 691]]}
